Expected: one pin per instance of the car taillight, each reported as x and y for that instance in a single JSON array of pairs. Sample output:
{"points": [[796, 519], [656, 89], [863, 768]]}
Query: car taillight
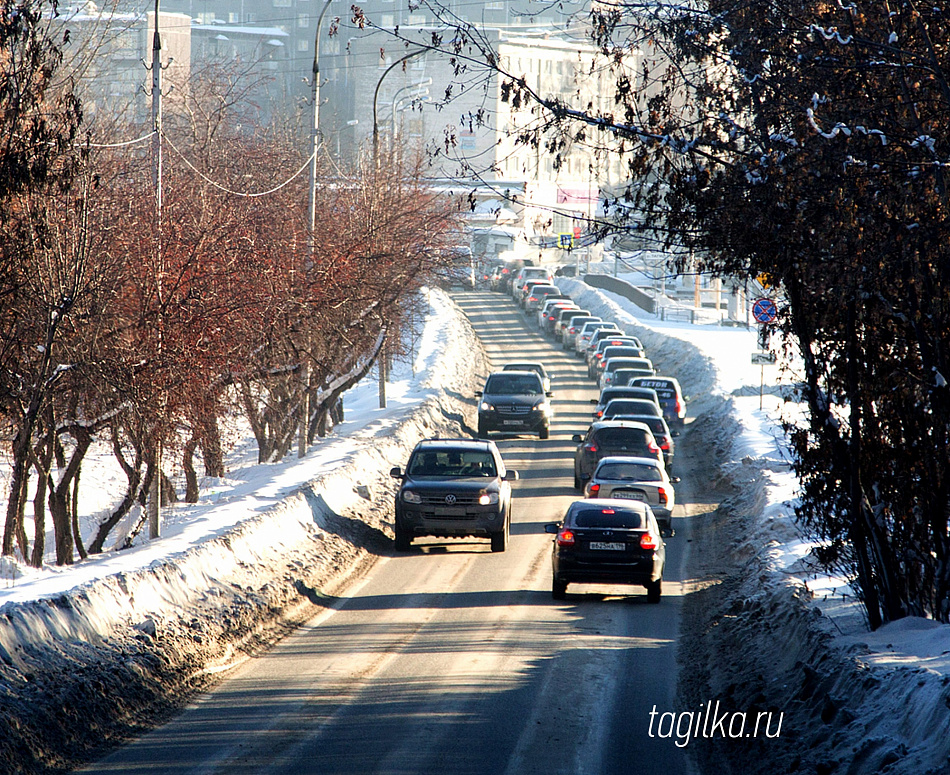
{"points": [[590, 447], [648, 541], [594, 489], [679, 406], [565, 538], [600, 414], [662, 495], [665, 445], [652, 447]]}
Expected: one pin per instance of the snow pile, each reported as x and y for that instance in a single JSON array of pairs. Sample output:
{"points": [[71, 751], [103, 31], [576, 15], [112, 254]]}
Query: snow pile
{"points": [[764, 630], [138, 632]]}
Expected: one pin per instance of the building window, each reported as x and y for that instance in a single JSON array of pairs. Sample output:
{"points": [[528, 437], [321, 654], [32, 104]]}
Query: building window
{"points": [[283, 3], [303, 44], [387, 20], [303, 20]]}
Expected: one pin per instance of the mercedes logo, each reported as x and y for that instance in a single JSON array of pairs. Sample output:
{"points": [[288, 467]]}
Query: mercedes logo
{"points": [[450, 499]]}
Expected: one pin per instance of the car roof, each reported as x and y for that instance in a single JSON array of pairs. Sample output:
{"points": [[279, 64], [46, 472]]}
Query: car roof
{"points": [[646, 419], [619, 424], [522, 366], [646, 461], [659, 378], [480, 444], [616, 504], [609, 392], [626, 359]]}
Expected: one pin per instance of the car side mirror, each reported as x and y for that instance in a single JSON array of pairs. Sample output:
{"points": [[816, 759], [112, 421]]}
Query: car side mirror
{"points": [[585, 477], [594, 401], [552, 527], [396, 473], [512, 476], [674, 433], [549, 393], [577, 438], [478, 394]]}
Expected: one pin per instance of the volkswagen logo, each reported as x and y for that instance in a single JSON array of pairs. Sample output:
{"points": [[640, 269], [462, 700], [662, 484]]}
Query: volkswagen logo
{"points": [[450, 499]]}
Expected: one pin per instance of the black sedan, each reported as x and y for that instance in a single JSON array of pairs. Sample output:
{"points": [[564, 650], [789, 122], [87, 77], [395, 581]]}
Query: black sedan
{"points": [[608, 541]]}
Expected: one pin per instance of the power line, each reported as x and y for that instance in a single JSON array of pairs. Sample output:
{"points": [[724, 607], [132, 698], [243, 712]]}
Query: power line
{"points": [[228, 190]]}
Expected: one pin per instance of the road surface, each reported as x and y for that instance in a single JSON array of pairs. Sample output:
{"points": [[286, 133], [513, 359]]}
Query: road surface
{"points": [[451, 659]]}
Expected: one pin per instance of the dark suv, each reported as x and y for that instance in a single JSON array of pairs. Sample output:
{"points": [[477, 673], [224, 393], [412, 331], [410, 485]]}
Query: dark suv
{"points": [[514, 402], [612, 437], [454, 487]]}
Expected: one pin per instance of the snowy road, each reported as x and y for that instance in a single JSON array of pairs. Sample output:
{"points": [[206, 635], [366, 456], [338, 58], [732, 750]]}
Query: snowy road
{"points": [[451, 659]]}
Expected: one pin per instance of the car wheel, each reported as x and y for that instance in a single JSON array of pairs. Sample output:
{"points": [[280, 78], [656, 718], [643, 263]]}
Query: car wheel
{"points": [[545, 432], [654, 591], [558, 589], [482, 430], [577, 481], [499, 540], [403, 538]]}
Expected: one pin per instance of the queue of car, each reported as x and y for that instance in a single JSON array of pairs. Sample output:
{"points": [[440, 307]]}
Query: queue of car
{"points": [[622, 463]]}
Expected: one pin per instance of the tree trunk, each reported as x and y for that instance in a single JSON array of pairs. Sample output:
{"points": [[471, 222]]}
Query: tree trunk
{"points": [[59, 498], [191, 476]]}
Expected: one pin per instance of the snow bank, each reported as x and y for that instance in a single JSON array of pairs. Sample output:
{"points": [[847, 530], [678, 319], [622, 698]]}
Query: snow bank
{"points": [[764, 629], [82, 665]]}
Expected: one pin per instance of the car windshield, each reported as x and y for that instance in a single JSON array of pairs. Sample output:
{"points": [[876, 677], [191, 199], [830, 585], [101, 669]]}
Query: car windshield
{"points": [[628, 472], [626, 363], [610, 437], [452, 462], [626, 376], [513, 385], [607, 517], [629, 406], [620, 352], [655, 424]]}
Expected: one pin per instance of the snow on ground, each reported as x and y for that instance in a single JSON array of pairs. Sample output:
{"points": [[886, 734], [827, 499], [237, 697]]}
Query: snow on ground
{"points": [[156, 621]]}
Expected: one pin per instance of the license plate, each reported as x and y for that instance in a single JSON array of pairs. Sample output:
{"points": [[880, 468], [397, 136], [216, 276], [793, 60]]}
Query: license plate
{"points": [[632, 496], [514, 422], [611, 546], [450, 511]]}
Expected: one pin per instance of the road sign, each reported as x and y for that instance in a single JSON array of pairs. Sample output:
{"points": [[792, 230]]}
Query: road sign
{"points": [[764, 310], [763, 358], [565, 240]]}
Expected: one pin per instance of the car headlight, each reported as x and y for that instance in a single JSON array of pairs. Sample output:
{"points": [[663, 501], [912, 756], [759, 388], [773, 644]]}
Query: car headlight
{"points": [[541, 406], [486, 407], [411, 497], [488, 499]]}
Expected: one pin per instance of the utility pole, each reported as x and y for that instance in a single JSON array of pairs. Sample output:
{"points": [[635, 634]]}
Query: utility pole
{"points": [[155, 494], [303, 430]]}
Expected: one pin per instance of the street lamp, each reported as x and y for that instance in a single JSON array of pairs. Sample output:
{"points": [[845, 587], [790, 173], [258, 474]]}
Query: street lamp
{"points": [[379, 83], [382, 349], [314, 148]]}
